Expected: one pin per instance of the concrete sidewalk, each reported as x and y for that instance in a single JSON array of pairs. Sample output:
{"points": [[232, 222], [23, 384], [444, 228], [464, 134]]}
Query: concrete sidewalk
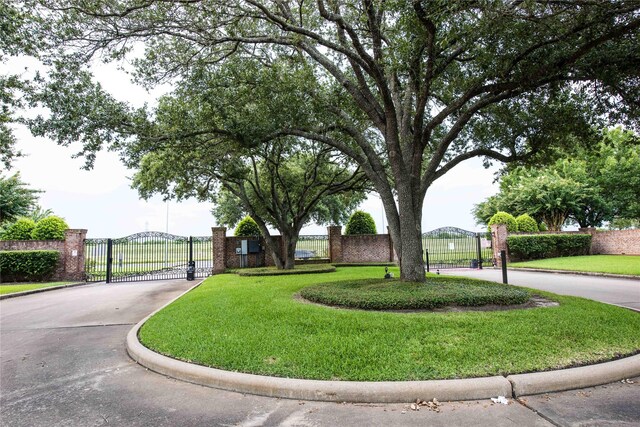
{"points": [[622, 292]]}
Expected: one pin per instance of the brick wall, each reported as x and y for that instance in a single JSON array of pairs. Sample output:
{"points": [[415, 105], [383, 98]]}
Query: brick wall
{"points": [[71, 263], [608, 242], [348, 249], [615, 242], [366, 248]]}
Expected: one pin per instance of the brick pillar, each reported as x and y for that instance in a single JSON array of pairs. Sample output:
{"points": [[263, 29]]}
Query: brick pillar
{"points": [[73, 254], [499, 242], [592, 231], [335, 243], [219, 248]]}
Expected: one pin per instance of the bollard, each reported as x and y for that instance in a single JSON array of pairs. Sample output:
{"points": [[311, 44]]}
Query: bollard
{"points": [[426, 254], [503, 260]]}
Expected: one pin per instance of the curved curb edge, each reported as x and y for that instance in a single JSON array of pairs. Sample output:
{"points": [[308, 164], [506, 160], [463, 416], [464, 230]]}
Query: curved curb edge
{"points": [[379, 392], [574, 378]]}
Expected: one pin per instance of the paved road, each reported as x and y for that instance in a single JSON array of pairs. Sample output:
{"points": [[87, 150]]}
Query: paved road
{"points": [[63, 362], [623, 292]]}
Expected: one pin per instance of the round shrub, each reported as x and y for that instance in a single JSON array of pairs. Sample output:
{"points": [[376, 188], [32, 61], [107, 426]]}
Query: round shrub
{"points": [[247, 228], [20, 230], [527, 224], [542, 227], [360, 223], [49, 228], [504, 218]]}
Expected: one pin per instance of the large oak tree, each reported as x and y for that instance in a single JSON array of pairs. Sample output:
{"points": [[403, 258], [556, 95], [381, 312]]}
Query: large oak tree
{"points": [[438, 82]]}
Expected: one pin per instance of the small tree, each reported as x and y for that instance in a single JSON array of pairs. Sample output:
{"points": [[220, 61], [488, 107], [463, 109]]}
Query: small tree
{"points": [[49, 228], [247, 228], [504, 218], [527, 224], [20, 230], [360, 223]]}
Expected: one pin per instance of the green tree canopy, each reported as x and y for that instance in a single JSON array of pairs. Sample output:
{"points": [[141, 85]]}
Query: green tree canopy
{"points": [[406, 89], [586, 186], [283, 186]]}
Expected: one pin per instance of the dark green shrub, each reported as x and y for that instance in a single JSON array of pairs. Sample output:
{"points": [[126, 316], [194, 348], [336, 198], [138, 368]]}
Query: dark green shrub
{"points": [[504, 218], [27, 265], [360, 223], [527, 247], [381, 294], [526, 224], [247, 227], [49, 228], [21, 229]]}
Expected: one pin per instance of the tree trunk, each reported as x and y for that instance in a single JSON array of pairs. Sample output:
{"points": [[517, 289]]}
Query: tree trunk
{"points": [[289, 244], [274, 250], [407, 239]]}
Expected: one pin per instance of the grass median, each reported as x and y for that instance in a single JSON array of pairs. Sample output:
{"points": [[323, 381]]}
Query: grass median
{"points": [[254, 325], [611, 264], [12, 289]]}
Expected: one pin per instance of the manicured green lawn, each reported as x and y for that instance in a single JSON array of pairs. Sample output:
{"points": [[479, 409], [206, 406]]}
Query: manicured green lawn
{"points": [[614, 264], [11, 289], [254, 324]]}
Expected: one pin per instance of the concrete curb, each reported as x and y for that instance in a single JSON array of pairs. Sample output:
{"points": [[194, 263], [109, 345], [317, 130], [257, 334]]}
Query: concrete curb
{"points": [[37, 291], [573, 378], [379, 392], [579, 273]]}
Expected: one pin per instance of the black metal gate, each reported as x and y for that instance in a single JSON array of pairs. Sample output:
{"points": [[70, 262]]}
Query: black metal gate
{"points": [[451, 247], [149, 255]]}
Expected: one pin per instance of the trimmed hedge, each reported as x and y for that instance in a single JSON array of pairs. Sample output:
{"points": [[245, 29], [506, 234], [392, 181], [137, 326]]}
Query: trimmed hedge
{"points": [[27, 265], [526, 224], [19, 230], [538, 246], [300, 269], [503, 218], [360, 222], [49, 228], [381, 294], [247, 228]]}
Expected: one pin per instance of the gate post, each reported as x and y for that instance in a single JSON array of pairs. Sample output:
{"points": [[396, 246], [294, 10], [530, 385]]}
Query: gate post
{"points": [[479, 245], [73, 256], [499, 242], [219, 249], [109, 259]]}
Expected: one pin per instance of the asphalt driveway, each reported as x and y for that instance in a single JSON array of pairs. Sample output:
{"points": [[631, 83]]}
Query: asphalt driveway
{"points": [[63, 363], [622, 292]]}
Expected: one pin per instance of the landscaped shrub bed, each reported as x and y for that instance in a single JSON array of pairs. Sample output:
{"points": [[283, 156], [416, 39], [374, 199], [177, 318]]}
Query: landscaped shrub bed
{"points": [[377, 294], [27, 265], [299, 269], [538, 246]]}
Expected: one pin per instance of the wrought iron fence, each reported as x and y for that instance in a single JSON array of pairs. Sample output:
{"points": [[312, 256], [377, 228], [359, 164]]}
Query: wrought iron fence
{"points": [[451, 247], [146, 256], [312, 247]]}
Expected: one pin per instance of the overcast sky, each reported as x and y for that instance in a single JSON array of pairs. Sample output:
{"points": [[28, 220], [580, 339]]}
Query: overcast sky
{"points": [[101, 200]]}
